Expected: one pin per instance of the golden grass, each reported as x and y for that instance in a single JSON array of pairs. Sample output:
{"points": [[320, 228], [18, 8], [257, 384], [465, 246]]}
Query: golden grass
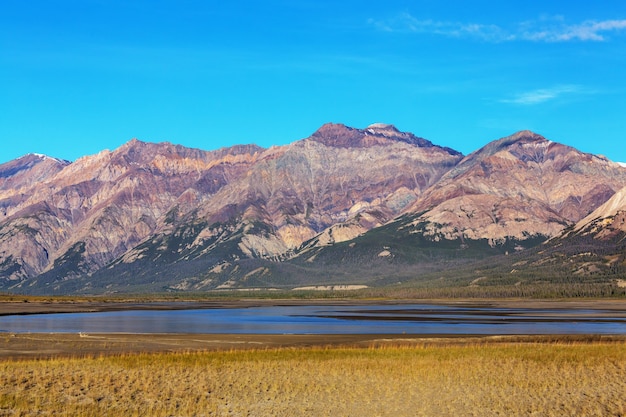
{"points": [[510, 379]]}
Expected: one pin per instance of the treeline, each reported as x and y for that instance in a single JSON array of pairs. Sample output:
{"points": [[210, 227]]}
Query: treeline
{"points": [[538, 290]]}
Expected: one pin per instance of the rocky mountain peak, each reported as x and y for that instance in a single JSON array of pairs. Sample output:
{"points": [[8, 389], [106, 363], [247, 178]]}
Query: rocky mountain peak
{"points": [[27, 162], [523, 185], [517, 140], [526, 135], [377, 134], [29, 169], [392, 133], [145, 154], [337, 135], [135, 150]]}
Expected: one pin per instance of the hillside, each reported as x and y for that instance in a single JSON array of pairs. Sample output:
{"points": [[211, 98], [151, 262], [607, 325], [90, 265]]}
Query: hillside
{"points": [[373, 206]]}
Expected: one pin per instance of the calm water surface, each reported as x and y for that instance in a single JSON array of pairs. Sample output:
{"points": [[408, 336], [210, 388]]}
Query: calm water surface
{"points": [[410, 319]]}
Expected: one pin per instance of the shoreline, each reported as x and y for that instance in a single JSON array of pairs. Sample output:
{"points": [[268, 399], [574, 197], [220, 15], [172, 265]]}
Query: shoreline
{"points": [[27, 307], [25, 346]]}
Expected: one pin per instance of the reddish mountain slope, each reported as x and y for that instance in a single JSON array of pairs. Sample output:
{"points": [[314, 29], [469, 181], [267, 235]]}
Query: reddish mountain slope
{"points": [[160, 213]]}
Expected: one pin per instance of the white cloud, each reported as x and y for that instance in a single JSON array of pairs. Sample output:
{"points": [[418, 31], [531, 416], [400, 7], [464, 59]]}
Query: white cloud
{"points": [[545, 29], [590, 30], [544, 94], [406, 23]]}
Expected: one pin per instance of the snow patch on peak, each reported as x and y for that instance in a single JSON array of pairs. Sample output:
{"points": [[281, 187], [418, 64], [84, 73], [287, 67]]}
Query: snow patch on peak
{"points": [[48, 158], [538, 144], [383, 129], [43, 157], [622, 164], [381, 126]]}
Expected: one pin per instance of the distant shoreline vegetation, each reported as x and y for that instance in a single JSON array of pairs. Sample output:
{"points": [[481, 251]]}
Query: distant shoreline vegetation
{"points": [[536, 291]]}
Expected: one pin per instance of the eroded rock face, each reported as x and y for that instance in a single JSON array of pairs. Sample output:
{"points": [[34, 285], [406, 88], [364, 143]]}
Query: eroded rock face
{"points": [[519, 186], [105, 204], [314, 185], [606, 221], [77, 218], [148, 204]]}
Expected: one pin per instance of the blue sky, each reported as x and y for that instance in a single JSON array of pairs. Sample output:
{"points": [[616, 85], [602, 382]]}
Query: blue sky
{"points": [[79, 76]]}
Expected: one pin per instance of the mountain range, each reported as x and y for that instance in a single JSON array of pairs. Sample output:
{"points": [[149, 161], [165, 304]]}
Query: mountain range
{"points": [[345, 206]]}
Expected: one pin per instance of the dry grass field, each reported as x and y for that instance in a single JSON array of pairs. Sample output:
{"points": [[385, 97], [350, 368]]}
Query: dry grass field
{"points": [[456, 379]]}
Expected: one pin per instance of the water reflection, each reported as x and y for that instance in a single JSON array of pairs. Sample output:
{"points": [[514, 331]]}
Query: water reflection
{"points": [[410, 319]]}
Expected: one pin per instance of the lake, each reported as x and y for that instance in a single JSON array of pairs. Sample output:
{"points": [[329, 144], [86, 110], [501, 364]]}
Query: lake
{"points": [[324, 319]]}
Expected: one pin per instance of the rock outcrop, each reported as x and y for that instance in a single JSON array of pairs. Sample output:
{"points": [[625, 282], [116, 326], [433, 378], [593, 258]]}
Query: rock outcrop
{"points": [[519, 186], [606, 221]]}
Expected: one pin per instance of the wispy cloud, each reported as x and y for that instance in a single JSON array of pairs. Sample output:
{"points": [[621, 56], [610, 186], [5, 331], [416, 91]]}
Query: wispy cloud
{"points": [[545, 29], [543, 95], [556, 30], [406, 23]]}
